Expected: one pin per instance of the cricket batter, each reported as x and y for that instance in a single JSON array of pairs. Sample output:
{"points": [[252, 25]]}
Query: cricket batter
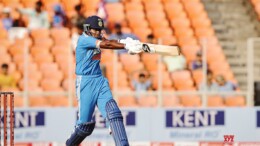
{"points": [[92, 88]]}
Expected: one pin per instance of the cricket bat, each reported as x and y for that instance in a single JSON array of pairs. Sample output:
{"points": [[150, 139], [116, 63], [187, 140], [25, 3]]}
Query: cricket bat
{"points": [[162, 49]]}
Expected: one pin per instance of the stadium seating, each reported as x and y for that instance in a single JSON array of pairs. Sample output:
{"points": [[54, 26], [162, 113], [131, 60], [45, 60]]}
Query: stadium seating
{"points": [[215, 101], [182, 22]]}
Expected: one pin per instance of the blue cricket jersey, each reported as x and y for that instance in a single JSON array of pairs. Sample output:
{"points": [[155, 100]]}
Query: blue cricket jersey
{"points": [[87, 56]]}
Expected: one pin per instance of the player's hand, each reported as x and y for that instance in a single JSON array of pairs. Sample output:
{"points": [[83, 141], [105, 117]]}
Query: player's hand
{"points": [[127, 40], [134, 48]]}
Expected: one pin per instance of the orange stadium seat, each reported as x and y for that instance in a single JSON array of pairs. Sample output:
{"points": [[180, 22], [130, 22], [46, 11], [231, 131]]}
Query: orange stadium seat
{"points": [[190, 101], [25, 42], [29, 3], [58, 50], [92, 5], [169, 40], [107, 56], [32, 66], [16, 50], [201, 22], [50, 84], [166, 80], [197, 76], [32, 84], [38, 102], [50, 2], [155, 14], [69, 4], [255, 1], [126, 30], [189, 51], [43, 58], [122, 78], [51, 71], [16, 75], [156, 6], [129, 59], [171, 101], [5, 42], [180, 23], [148, 1], [129, 68], [127, 101], [61, 59], [39, 50], [136, 23], [211, 42], [162, 32], [18, 102], [35, 75], [65, 42], [45, 42], [40, 33], [115, 12], [176, 15], [215, 55], [3, 51], [167, 1], [182, 80], [5, 58], [147, 101], [193, 6], [3, 34], [134, 6], [183, 41], [158, 23], [142, 33], [138, 15], [184, 32], [215, 101], [11, 3], [204, 32], [219, 66], [150, 66], [58, 33], [153, 58], [235, 101], [58, 101]]}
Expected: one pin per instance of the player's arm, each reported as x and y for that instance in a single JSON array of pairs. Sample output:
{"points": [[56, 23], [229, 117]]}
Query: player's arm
{"points": [[115, 45]]}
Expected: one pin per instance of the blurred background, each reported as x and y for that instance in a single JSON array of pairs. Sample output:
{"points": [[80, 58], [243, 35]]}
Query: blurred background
{"points": [[209, 92]]}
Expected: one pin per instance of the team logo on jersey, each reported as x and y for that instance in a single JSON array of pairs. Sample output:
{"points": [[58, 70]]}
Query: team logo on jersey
{"points": [[96, 54], [100, 23]]}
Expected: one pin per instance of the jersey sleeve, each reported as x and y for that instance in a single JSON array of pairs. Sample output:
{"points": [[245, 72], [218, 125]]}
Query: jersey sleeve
{"points": [[89, 42]]}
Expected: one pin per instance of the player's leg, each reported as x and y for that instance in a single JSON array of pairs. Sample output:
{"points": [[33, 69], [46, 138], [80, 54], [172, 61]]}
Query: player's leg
{"points": [[109, 109], [86, 107]]}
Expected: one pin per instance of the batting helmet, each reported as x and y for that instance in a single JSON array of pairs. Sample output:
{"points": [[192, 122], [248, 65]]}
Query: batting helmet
{"points": [[93, 22]]}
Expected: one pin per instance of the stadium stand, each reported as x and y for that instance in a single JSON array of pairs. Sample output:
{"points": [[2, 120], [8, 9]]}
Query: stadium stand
{"points": [[49, 50]]}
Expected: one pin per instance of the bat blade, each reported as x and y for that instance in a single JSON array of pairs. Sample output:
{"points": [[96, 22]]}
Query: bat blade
{"points": [[166, 50]]}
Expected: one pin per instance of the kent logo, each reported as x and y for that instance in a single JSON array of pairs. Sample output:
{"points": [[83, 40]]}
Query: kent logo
{"points": [[229, 139], [24, 119], [194, 118], [128, 116]]}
